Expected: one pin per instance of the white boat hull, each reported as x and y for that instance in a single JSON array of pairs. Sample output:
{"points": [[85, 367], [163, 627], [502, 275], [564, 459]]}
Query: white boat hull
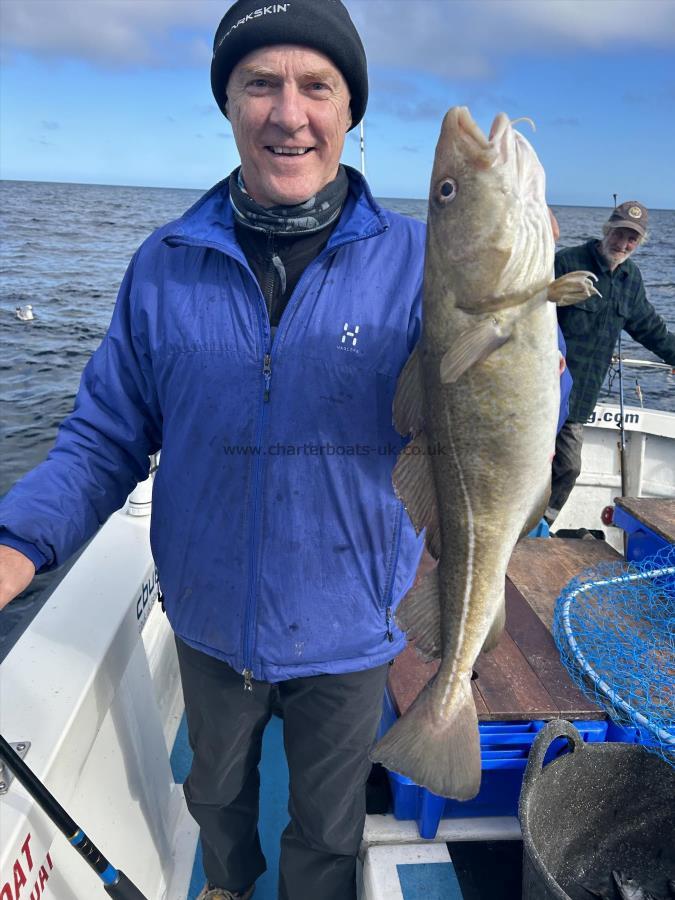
{"points": [[649, 460], [93, 685]]}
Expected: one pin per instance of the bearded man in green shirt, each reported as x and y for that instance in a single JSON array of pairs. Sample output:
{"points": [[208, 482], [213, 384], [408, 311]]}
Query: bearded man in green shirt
{"points": [[591, 330]]}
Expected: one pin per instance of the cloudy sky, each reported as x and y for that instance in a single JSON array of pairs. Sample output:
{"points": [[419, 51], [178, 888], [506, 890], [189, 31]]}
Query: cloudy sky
{"points": [[117, 91]]}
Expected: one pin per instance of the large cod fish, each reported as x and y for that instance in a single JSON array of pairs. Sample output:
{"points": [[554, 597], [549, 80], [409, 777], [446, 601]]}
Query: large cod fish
{"points": [[480, 397]]}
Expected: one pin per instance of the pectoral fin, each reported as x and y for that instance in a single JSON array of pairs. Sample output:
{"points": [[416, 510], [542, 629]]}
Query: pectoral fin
{"points": [[413, 480], [472, 346], [419, 615], [574, 287], [491, 303], [409, 398]]}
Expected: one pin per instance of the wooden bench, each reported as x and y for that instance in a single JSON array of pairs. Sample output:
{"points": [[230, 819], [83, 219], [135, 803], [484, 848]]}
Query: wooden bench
{"points": [[522, 678], [657, 514]]}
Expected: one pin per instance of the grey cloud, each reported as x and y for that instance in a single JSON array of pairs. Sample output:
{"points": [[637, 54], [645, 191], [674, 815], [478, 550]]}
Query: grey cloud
{"points": [[412, 110], [116, 33], [480, 98], [403, 98], [406, 99], [50, 125], [449, 38], [469, 38]]}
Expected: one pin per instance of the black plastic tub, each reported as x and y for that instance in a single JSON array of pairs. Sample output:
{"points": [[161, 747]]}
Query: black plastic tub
{"points": [[600, 808]]}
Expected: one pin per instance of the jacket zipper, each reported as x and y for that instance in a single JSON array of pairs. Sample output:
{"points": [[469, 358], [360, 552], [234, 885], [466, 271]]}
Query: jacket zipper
{"points": [[247, 671], [267, 376], [257, 480], [255, 522], [268, 287]]}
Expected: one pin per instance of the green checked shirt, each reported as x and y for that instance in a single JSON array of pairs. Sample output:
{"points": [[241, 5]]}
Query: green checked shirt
{"points": [[591, 328]]}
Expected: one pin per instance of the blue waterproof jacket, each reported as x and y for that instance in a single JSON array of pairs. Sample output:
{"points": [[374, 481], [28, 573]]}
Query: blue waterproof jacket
{"points": [[280, 545]]}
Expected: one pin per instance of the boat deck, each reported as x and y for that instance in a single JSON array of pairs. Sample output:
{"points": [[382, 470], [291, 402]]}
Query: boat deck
{"points": [[273, 805], [522, 678], [452, 870]]}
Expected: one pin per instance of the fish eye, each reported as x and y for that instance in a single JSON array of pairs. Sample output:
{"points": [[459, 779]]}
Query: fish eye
{"points": [[447, 190]]}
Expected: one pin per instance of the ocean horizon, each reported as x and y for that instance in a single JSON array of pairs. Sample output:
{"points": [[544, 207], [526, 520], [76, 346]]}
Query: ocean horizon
{"points": [[203, 190]]}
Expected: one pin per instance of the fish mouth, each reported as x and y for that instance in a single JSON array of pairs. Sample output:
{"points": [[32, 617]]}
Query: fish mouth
{"points": [[469, 129], [478, 149], [512, 149], [483, 152], [499, 127], [508, 144]]}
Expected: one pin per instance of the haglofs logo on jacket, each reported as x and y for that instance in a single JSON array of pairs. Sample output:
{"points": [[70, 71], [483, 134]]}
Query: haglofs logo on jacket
{"points": [[350, 337]]}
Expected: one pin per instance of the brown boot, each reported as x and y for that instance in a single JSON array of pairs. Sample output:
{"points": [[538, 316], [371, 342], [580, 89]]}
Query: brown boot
{"points": [[214, 893]]}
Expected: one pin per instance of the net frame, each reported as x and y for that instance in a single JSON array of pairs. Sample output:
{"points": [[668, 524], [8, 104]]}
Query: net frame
{"points": [[657, 571]]}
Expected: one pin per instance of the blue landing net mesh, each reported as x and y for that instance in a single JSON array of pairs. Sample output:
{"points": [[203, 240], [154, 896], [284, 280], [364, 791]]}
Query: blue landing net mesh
{"points": [[614, 626]]}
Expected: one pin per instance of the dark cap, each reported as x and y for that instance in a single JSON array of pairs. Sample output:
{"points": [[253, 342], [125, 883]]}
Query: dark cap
{"points": [[323, 25], [630, 214]]}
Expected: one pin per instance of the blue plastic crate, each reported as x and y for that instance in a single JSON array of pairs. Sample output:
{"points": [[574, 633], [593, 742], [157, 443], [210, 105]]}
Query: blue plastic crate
{"points": [[388, 715], [627, 734], [501, 781], [506, 734], [540, 530], [505, 747], [642, 541]]}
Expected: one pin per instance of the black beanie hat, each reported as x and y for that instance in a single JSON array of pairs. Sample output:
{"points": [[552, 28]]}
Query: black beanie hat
{"points": [[323, 25]]}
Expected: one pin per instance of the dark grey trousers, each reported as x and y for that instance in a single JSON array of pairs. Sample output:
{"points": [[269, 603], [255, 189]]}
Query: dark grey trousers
{"points": [[566, 467], [329, 726]]}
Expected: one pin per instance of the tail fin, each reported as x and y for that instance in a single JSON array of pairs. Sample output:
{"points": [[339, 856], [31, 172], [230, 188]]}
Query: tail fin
{"points": [[438, 753]]}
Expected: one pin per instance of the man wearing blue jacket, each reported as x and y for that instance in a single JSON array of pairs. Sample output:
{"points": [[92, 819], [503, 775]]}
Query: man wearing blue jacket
{"points": [[257, 341]]}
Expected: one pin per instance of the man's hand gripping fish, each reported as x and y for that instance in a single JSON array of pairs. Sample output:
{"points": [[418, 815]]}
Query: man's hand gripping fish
{"points": [[480, 397]]}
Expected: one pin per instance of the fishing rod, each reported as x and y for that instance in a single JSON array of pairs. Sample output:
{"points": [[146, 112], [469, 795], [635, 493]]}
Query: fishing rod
{"points": [[643, 363], [621, 361], [622, 430], [622, 442], [115, 882], [362, 143]]}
